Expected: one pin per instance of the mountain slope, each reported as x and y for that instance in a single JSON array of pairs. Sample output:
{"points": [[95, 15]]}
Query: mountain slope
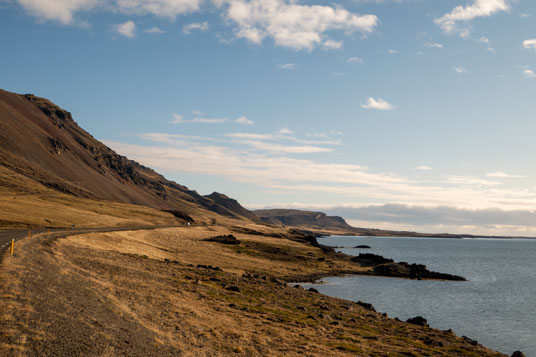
{"points": [[41, 141]]}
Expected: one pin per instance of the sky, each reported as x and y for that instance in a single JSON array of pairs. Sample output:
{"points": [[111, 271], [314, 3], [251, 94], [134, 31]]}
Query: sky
{"points": [[395, 114]]}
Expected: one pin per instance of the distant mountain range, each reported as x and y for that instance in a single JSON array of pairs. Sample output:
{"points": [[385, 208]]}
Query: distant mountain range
{"points": [[297, 218]]}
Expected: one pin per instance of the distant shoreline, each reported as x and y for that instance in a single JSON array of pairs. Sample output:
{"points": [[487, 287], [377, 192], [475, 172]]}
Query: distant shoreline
{"points": [[431, 236]]}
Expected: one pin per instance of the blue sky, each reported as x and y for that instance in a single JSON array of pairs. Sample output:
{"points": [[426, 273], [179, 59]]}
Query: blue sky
{"points": [[408, 114]]}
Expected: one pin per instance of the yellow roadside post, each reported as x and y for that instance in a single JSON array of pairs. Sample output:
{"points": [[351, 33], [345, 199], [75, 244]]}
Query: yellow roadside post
{"points": [[29, 233], [12, 242]]}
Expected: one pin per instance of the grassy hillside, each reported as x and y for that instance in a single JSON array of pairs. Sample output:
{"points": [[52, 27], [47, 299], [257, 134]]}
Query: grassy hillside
{"points": [[41, 141], [172, 292]]}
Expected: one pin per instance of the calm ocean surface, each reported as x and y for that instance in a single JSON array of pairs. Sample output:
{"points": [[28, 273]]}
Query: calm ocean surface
{"points": [[496, 307]]}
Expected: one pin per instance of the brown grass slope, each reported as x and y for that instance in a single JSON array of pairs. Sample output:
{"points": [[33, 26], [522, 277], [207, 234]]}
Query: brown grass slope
{"points": [[170, 292], [42, 142]]}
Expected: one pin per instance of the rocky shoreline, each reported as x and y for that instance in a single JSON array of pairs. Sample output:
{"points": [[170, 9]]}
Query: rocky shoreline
{"points": [[380, 265]]}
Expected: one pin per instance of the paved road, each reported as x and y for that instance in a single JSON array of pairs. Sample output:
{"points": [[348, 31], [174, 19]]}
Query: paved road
{"points": [[6, 235]]}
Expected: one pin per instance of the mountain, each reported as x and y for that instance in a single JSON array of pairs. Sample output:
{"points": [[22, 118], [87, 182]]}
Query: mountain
{"points": [[231, 205], [297, 218], [41, 141]]}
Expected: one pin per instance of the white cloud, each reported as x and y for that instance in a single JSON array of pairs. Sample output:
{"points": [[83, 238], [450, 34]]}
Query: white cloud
{"points": [[336, 74], [208, 120], [500, 174], [253, 136], [491, 50], [200, 119], [178, 119], [325, 134], [62, 11], [285, 131], [433, 45], [355, 60], [128, 29], [287, 66], [378, 104], [460, 69], [344, 181], [479, 8], [529, 73], [287, 135], [289, 24], [285, 149], [244, 120], [392, 52], [424, 168], [161, 8], [482, 40], [200, 26], [243, 165], [525, 15], [332, 45], [154, 30], [530, 44], [470, 181]]}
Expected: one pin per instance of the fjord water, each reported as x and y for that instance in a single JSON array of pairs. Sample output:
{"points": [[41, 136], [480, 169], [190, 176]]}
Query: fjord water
{"points": [[496, 307]]}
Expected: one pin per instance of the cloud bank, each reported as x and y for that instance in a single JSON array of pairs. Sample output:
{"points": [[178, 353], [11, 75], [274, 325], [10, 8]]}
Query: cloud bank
{"points": [[441, 219]]}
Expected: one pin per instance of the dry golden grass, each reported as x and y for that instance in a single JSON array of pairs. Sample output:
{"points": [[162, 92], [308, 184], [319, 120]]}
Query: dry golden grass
{"points": [[186, 245], [57, 210]]}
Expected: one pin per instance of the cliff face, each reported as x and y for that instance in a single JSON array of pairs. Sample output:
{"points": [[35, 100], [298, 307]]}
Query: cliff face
{"points": [[297, 218], [42, 141]]}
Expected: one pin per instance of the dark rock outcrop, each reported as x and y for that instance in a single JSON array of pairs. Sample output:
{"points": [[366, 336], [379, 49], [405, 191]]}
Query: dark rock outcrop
{"points": [[366, 305], [412, 271], [387, 267], [417, 320], [180, 215], [228, 239], [518, 354], [470, 340], [369, 259]]}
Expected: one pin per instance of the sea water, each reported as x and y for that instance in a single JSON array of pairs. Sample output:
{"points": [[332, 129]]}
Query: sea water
{"points": [[496, 306]]}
